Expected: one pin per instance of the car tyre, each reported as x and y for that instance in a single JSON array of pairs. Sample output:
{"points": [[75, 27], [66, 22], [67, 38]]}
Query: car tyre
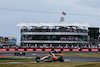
{"points": [[14, 53], [61, 59], [38, 59]]}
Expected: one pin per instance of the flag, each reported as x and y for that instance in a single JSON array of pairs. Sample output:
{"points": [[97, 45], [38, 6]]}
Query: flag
{"points": [[63, 13], [61, 18]]}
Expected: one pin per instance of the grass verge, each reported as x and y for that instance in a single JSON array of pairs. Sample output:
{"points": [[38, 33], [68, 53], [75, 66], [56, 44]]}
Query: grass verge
{"points": [[15, 59], [58, 64], [82, 54]]}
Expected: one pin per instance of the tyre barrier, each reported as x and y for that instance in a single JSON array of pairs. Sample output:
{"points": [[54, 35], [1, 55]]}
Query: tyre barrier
{"points": [[50, 49]]}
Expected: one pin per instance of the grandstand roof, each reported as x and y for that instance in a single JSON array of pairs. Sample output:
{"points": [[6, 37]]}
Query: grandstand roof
{"points": [[52, 24]]}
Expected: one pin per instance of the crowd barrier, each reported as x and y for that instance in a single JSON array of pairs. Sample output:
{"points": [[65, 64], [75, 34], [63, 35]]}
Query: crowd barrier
{"points": [[50, 49]]}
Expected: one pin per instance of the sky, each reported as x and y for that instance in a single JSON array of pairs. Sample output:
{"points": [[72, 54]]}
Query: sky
{"points": [[9, 18]]}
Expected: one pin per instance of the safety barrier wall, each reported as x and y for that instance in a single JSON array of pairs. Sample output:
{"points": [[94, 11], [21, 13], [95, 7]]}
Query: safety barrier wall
{"points": [[20, 49], [11, 49], [75, 50], [39, 49], [66, 49], [94, 50], [3, 49], [47, 49], [59, 49], [84, 49], [50, 49], [29, 49]]}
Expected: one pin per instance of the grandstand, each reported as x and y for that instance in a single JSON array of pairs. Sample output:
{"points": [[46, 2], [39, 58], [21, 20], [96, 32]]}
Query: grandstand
{"points": [[7, 41], [53, 34]]}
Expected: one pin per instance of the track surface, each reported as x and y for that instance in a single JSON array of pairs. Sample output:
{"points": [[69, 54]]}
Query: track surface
{"points": [[67, 58]]}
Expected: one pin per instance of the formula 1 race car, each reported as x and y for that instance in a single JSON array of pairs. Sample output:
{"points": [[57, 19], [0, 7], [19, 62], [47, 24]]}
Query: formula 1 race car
{"points": [[19, 53], [52, 56], [56, 53]]}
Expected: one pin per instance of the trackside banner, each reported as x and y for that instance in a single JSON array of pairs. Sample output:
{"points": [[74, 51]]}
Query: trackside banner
{"points": [[20, 49], [75, 50], [94, 50], [38, 49], [59, 49], [47, 49], [29, 49], [11, 49], [85, 49], [3, 49], [66, 49]]}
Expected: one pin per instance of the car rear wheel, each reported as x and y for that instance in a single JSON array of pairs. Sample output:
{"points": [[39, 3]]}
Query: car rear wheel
{"points": [[61, 59], [38, 59], [14, 53], [23, 53]]}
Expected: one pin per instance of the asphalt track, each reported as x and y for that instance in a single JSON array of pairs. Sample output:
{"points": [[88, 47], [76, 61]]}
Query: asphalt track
{"points": [[67, 58]]}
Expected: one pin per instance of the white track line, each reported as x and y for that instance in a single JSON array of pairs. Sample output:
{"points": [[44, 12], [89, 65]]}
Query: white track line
{"points": [[67, 60], [33, 54], [22, 57]]}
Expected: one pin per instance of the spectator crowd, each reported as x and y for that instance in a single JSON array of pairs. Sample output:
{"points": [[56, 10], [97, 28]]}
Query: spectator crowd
{"points": [[63, 29], [71, 47]]}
